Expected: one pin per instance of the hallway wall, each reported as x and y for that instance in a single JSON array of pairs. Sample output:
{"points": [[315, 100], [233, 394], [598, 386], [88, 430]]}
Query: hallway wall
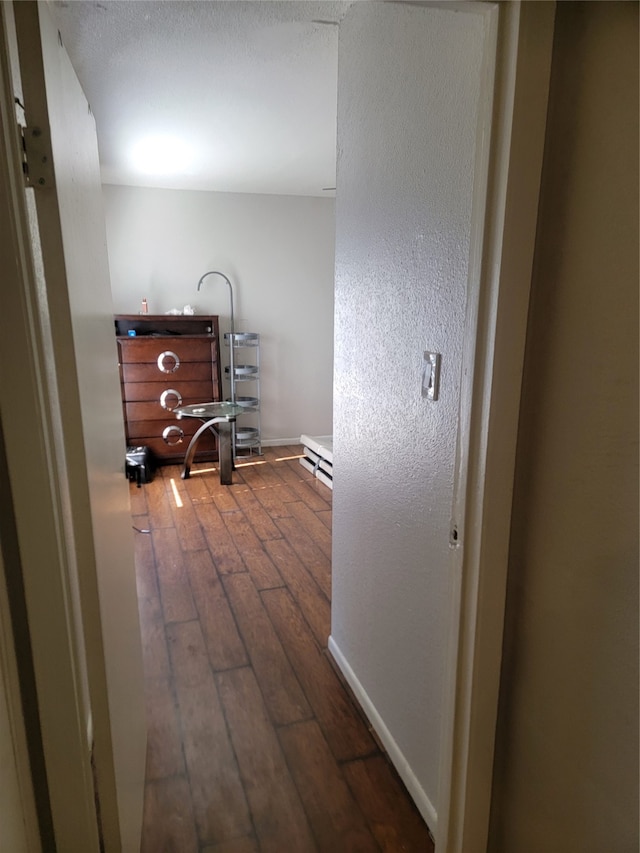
{"points": [[566, 773], [409, 84]]}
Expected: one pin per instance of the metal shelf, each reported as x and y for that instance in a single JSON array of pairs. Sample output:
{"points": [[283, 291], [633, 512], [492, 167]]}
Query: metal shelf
{"points": [[247, 436]]}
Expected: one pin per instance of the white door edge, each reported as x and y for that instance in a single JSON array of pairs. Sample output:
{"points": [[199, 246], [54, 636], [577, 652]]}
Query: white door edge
{"points": [[85, 430], [504, 237], [38, 507]]}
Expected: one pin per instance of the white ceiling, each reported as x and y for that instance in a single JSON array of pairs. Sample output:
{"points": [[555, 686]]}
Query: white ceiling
{"points": [[249, 86]]}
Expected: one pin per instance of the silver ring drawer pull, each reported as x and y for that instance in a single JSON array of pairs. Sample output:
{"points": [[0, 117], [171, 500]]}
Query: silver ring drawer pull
{"points": [[172, 435], [166, 403], [170, 356]]}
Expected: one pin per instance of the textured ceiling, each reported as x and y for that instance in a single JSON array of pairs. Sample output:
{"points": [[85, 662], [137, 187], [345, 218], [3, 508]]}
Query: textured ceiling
{"points": [[250, 87]]}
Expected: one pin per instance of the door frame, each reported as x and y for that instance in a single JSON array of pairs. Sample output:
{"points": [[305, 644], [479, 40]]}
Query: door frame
{"points": [[20, 826], [88, 434], [54, 553], [37, 504], [502, 250]]}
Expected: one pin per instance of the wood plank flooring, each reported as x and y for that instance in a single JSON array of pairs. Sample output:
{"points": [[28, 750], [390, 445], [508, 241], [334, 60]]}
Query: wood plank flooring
{"points": [[255, 743]]}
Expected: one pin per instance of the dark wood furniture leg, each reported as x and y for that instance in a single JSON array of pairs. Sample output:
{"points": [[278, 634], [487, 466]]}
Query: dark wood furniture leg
{"points": [[222, 428]]}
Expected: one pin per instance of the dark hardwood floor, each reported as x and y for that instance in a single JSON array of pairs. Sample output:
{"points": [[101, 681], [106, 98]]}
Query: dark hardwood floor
{"points": [[255, 743]]}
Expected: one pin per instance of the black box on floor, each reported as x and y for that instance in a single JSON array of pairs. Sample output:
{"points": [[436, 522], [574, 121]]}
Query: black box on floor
{"points": [[139, 465]]}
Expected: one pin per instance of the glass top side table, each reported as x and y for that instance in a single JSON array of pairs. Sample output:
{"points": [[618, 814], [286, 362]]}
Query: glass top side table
{"points": [[218, 417]]}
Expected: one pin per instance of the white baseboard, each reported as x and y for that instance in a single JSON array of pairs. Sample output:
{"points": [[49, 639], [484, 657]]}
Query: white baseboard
{"points": [[418, 795], [280, 442]]}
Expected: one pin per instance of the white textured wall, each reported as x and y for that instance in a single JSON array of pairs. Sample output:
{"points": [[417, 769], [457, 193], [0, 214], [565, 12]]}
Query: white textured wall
{"points": [[409, 81], [567, 754], [279, 253]]}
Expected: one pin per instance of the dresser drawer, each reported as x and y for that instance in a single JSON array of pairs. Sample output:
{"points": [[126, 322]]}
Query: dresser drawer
{"points": [[189, 371], [152, 410], [175, 450], [167, 354], [168, 396], [143, 429]]}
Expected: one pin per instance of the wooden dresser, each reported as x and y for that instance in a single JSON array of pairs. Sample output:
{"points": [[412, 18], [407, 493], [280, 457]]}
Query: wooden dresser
{"points": [[168, 362]]}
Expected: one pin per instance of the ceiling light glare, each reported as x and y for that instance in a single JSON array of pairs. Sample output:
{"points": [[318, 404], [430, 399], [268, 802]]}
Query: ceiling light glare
{"points": [[161, 154]]}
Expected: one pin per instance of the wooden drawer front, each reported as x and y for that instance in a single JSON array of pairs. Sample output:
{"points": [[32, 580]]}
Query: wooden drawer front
{"points": [[141, 429], [171, 394], [170, 438], [207, 448], [150, 350], [151, 410], [189, 371]]}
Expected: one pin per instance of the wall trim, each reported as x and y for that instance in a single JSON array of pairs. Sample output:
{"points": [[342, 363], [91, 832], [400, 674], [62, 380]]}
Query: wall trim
{"points": [[417, 792], [493, 363], [280, 442]]}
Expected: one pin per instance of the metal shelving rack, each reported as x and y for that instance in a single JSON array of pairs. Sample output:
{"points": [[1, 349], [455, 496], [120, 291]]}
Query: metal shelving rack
{"points": [[245, 391]]}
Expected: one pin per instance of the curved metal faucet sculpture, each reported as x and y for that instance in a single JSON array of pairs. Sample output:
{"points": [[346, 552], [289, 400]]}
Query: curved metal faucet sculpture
{"points": [[231, 337]]}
